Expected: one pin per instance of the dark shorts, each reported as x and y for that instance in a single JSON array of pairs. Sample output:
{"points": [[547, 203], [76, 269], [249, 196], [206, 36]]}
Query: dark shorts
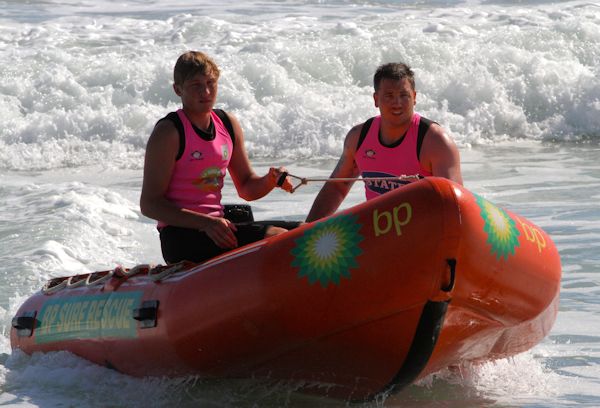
{"points": [[185, 244]]}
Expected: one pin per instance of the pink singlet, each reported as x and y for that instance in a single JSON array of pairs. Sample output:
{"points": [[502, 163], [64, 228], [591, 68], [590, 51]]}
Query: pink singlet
{"points": [[198, 175], [377, 160]]}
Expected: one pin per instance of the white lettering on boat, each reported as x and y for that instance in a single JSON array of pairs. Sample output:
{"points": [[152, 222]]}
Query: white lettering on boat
{"points": [[86, 317]]}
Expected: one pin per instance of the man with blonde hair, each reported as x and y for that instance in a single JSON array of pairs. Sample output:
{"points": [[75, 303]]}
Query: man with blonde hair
{"points": [[187, 156]]}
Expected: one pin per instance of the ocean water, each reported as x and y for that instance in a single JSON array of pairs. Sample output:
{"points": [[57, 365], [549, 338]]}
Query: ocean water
{"points": [[82, 82]]}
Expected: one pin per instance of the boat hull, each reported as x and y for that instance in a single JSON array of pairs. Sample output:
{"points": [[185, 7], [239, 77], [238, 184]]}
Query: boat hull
{"points": [[363, 302]]}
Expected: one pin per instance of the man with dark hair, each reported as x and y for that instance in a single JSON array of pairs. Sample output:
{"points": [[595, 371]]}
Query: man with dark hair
{"points": [[398, 142]]}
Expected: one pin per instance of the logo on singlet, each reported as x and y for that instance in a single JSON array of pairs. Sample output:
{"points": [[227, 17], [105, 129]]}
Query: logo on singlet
{"points": [[210, 180], [382, 182], [369, 154], [196, 155]]}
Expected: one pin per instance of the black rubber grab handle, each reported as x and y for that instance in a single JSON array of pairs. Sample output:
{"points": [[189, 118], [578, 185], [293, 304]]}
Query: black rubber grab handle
{"points": [[281, 178]]}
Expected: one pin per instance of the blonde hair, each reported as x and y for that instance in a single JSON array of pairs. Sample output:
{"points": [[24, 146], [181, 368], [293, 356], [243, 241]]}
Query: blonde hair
{"points": [[191, 63]]}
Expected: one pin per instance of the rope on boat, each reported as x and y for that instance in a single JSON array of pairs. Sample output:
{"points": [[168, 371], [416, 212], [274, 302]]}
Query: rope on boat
{"points": [[305, 180], [156, 273], [158, 276], [127, 273], [101, 279], [76, 281]]}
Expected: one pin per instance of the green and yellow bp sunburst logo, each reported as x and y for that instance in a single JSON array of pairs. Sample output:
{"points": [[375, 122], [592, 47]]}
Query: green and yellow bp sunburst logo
{"points": [[328, 251], [501, 229]]}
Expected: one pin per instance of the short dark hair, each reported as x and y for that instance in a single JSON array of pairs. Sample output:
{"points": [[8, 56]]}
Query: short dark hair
{"points": [[191, 63], [393, 70]]}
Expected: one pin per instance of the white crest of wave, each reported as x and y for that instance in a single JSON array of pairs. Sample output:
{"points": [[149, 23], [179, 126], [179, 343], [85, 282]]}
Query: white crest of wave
{"points": [[90, 88]]}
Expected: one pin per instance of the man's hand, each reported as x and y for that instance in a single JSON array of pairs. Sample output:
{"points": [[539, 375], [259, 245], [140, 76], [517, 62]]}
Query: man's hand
{"points": [[276, 175], [221, 231]]}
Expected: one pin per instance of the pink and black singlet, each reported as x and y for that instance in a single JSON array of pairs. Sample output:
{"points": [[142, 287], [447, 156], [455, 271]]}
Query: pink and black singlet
{"points": [[201, 166], [377, 160]]}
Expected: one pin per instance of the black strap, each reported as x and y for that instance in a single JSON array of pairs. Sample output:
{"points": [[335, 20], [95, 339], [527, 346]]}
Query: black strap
{"points": [[363, 132], [227, 122], [422, 346], [424, 125], [174, 117]]}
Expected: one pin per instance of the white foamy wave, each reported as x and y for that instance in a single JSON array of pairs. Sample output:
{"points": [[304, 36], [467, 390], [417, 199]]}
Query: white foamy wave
{"points": [[63, 228], [62, 379], [87, 89], [519, 379]]}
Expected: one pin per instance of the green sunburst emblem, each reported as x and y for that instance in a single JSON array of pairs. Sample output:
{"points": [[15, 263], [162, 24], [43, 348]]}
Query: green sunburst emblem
{"points": [[327, 251], [501, 229]]}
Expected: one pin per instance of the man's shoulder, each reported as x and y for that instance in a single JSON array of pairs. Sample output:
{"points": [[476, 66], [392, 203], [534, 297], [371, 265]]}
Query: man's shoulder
{"points": [[353, 136], [167, 128], [165, 125], [356, 129], [359, 132], [437, 140], [435, 131]]}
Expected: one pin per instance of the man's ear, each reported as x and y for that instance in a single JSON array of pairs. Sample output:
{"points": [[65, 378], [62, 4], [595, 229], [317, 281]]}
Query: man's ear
{"points": [[376, 99], [177, 90]]}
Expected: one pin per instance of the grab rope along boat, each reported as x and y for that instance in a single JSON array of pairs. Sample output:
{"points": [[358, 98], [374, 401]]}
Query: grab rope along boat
{"points": [[365, 301]]}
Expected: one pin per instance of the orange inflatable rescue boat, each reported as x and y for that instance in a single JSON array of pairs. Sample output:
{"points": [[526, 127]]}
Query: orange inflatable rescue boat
{"points": [[365, 301]]}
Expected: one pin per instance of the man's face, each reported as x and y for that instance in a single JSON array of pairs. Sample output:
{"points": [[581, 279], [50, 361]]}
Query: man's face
{"points": [[395, 100], [198, 93]]}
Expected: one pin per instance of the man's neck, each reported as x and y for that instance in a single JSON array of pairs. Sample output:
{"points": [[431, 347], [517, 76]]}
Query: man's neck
{"points": [[199, 119], [390, 133]]}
